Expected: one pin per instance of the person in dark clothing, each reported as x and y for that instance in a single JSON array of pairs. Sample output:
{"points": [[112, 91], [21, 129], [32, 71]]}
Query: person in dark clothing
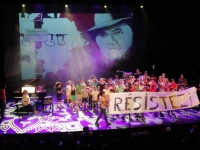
{"points": [[137, 74], [59, 93], [2, 100], [129, 115]]}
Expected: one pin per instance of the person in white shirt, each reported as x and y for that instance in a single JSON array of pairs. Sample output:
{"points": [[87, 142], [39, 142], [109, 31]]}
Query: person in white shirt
{"points": [[27, 104], [122, 82], [106, 90], [161, 88], [68, 92], [82, 82], [141, 86], [25, 98], [130, 80], [112, 81], [116, 80], [181, 88]]}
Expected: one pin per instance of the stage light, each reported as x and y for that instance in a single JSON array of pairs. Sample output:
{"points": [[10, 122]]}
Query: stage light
{"points": [[23, 5], [105, 6], [66, 6], [141, 6]]}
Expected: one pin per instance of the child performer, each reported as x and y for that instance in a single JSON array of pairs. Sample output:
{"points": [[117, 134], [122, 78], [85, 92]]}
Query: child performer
{"points": [[59, 93], [94, 94], [73, 96], [103, 105], [85, 97]]}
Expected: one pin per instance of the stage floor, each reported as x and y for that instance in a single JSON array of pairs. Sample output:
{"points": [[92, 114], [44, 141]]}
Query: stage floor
{"points": [[64, 120]]}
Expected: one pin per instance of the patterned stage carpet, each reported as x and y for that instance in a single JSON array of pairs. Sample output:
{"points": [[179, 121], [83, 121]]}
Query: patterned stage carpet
{"points": [[65, 120]]}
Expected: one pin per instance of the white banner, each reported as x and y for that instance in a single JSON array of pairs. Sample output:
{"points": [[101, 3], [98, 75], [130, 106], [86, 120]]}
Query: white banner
{"points": [[137, 102]]}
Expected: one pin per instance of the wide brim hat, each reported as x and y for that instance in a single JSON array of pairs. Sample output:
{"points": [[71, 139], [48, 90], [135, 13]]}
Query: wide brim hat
{"points": [[102, 20]]}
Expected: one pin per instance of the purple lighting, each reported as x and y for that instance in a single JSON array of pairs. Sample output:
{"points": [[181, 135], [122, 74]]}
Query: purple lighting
{"points": [[65, 120]]}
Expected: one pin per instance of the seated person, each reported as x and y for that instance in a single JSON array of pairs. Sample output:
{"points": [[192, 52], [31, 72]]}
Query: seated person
{"points": [[26, 103], [25, 98], [86, 132]]}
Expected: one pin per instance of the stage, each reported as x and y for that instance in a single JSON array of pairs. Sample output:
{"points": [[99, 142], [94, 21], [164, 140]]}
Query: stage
{"points": [[64, 120]]}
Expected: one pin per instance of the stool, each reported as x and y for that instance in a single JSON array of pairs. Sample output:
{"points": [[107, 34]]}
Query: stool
{"points": [[48, 101]]}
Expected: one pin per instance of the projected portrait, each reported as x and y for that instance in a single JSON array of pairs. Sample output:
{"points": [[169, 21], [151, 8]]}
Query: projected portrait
{"points": [[113, 34], [109, 39]]}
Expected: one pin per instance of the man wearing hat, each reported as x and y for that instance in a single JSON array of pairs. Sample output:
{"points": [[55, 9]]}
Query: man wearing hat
{"points": [[113, 34], [2, 100]]}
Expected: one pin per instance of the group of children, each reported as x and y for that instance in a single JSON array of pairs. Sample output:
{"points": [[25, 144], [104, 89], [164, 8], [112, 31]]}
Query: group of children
{"points": [[79, 96], [93, 92]]}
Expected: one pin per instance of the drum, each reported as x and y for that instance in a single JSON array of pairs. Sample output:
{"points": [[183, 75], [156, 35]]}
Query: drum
{"points": [[48, 100]]}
